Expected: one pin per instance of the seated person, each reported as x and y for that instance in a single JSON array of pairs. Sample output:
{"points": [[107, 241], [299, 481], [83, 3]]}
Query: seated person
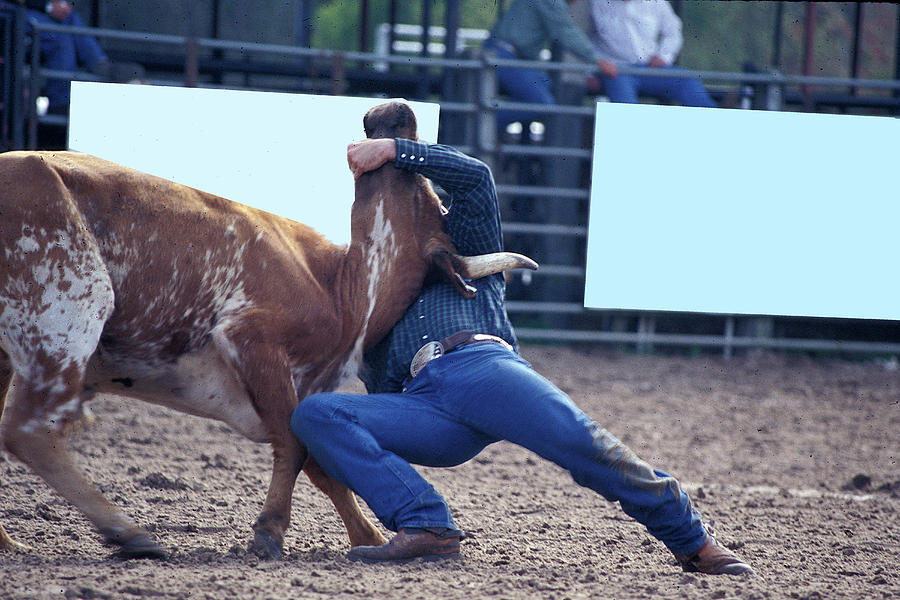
{"points": [[524, 29], [64, 51], [644, 33]]}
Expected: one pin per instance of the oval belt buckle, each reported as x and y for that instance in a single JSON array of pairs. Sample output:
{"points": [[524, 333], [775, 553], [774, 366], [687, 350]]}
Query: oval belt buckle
{"points": [[429, 351]]}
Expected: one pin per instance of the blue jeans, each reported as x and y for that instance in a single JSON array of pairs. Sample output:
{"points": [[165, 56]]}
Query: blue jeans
{"points": [[457, 405], [521, 85], [65, 52], [687, 91]]}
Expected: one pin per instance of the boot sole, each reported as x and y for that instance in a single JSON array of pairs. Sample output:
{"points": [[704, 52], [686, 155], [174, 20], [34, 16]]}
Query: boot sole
{"points": [[403, 561]]}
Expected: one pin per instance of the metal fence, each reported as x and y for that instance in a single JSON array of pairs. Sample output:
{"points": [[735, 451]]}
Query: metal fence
{"points": [[543, 178]]}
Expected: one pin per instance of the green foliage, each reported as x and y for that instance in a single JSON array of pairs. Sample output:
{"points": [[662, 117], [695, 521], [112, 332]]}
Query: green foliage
{"points": [[722, 36], [336, 23], [718, 35]]}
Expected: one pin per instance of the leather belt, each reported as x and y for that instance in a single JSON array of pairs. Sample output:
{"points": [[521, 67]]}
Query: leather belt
{"points": [[452, 342]]}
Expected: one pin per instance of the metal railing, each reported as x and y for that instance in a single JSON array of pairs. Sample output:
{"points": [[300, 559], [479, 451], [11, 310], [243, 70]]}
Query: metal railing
{"points": [[467, 90]]}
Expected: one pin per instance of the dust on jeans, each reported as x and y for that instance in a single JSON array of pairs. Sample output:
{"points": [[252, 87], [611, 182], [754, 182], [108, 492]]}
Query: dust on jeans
{"points": [[611, 451]]}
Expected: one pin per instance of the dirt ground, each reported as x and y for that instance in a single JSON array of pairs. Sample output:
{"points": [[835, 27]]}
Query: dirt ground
{"points": [[793, 460]]}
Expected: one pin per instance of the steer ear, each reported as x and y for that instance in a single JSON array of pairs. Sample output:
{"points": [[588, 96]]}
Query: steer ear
{"points": [[458, 269], [454, 270]]}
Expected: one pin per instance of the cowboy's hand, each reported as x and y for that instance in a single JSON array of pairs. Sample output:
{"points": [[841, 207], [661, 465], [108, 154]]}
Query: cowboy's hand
{"points": [[608, 68], [369, 154]]}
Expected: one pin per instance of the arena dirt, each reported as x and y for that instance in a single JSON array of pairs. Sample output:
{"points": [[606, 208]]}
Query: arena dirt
{"points": [[793, 460]]}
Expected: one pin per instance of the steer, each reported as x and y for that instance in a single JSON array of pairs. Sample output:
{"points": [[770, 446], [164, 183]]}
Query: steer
{"points": [[115, 281]]}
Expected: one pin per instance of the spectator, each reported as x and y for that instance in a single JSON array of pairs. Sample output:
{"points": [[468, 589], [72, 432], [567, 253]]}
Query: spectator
{"points": [[64, 51], [522, 31], [644, 33], [441, 403]]}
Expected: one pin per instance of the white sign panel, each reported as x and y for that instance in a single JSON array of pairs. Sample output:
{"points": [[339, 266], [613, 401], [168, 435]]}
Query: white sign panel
{"points": [[744, 212], [282, 153]]}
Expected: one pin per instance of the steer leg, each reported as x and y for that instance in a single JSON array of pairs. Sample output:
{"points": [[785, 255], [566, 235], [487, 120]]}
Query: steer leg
{"points": [[265, 371], [32, 432], [266, 375], [360, 530], [273, 520], [50, 324], [6, 542]]}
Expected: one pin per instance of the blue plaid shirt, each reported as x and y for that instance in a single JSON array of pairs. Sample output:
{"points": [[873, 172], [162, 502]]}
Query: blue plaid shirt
{"points": [[473, 224]]}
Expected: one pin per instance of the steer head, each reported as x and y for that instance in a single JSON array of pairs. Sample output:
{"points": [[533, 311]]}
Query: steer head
{"points": [[397, 120], [391, 120]]}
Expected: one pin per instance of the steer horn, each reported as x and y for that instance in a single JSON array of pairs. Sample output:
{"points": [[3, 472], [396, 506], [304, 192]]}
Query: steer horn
{"points": [[463, 268], [475, 267]]}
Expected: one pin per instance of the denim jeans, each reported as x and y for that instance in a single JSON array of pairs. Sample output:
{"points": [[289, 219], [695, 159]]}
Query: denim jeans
{"points": [[687, 91], [521, 85], [458, 404]]}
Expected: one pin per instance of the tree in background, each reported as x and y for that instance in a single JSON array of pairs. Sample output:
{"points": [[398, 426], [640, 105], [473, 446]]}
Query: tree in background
{"points": [[719, 35], [336, 22]]}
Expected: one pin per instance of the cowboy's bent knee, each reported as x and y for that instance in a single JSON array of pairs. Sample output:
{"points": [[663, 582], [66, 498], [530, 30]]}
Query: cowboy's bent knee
{"points": [[310, 415]]}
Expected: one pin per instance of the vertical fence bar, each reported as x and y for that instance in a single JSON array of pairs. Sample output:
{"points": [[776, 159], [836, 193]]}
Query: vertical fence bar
{"points": [[34, 89], [486, 122], [364, 26], [338, 74], [776, 35], [191, 63], [17, 113], [897, 54], [809, 47], [727, 344], [855, 50], [6, 20]]}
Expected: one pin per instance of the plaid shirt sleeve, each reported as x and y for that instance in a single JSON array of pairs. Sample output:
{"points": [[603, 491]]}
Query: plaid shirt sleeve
{"points": [[474, 219]]}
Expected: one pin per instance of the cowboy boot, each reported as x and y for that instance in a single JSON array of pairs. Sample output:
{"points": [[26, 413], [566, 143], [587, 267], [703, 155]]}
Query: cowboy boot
{"points": [[407, 545], [713, 559]]}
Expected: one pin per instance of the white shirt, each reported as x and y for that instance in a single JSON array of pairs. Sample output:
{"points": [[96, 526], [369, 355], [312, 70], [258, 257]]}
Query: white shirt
{"points": [[633, 31]]}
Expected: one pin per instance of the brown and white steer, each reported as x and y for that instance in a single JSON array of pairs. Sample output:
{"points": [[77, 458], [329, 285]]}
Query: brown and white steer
{"points": [[115, 281]]}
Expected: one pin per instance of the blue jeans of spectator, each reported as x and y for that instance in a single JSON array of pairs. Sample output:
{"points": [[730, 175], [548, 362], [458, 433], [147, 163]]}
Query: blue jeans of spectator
{"points": [[64, 52], [521, 85], [687, 91], [456, 406]]}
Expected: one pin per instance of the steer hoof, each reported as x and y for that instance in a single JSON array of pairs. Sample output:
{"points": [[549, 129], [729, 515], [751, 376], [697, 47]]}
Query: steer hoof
{"points": [[141, 546], [9, 544], [265, 546]]}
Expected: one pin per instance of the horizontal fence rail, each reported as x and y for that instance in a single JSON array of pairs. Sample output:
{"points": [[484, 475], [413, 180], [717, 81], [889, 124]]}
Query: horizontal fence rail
{"points": [[542, 179]]}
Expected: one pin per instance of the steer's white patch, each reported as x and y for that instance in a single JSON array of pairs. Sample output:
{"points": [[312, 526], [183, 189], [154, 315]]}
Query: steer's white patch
{"points": [[202, 383], [25, 244], [55, 306], [205, 384], [381, 255], [298, 373], [59, 414], [213, 274]]}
